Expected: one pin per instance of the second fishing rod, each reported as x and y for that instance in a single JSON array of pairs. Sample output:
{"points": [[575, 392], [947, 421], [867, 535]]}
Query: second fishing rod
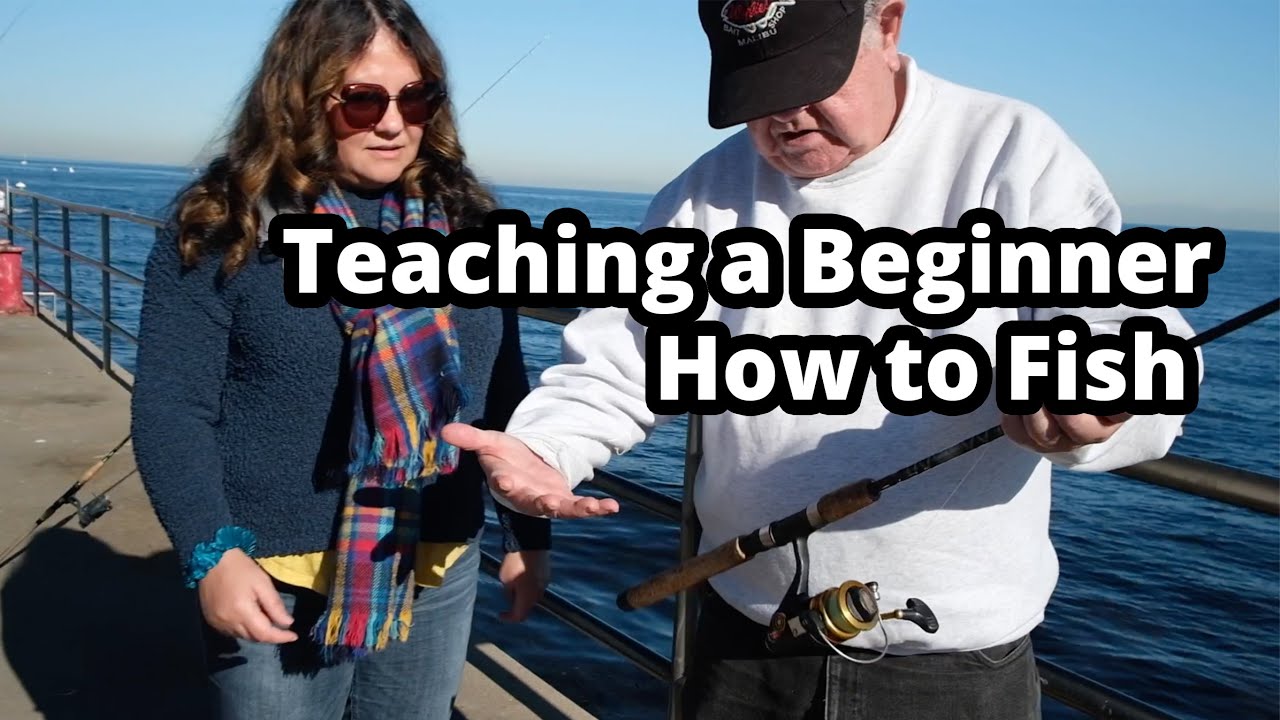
{"points": [[841, 503]]}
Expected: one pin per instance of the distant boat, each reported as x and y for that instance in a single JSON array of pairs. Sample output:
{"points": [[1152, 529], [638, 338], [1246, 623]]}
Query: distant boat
{"points": [[55, 169], [20, 185], [71, 169], [24, 161]]}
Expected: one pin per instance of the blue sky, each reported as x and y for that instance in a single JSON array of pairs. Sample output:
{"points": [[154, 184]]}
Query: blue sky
{"points": [[1177, 101]]}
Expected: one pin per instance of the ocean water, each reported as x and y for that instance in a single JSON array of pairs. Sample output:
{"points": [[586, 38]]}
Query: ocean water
{"points": [[1172, 599]]}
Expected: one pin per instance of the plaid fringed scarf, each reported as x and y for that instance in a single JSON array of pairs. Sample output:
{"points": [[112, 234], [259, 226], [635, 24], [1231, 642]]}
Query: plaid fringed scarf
{"points": [[407, 385]]}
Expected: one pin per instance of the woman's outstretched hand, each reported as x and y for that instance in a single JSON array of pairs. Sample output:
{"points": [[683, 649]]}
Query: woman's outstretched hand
{"points": [[519, 477]]}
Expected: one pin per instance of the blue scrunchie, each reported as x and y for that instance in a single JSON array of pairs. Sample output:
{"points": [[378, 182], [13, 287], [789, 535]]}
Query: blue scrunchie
{"points": [[207, 554]]}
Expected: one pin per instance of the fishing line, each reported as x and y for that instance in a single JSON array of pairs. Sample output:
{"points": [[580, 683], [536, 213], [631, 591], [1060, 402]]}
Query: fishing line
{"points": [[508, 72], [883, 651], [924, 534], [15, 19]]}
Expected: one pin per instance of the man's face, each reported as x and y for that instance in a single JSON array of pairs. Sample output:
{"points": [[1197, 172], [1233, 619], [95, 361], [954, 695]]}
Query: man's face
{"points": [[817, 140]]}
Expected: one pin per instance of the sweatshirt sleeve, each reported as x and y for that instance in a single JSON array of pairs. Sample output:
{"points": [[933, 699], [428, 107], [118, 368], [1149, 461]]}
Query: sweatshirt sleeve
{"points": [[1141, 437], [1083, 201], [510, 385], [591, 406], [180, 368]]}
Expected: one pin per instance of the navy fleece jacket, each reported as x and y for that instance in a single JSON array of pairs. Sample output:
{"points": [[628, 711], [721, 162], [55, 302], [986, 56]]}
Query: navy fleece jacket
{"points": [[240, 409]]}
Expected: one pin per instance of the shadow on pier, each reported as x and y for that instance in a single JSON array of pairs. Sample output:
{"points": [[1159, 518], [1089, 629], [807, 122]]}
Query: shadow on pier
{"points": [[91, 633]]}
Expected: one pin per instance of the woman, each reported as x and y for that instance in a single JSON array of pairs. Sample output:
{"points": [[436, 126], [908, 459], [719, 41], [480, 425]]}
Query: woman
{"points": [[291, 454]]}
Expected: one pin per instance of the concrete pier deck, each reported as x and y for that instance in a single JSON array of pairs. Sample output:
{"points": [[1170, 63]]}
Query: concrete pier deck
{"points": [[92, 621]]}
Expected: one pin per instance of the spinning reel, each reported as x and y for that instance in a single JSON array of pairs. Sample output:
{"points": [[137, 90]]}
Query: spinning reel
{"points": [[834, 615], [95, 508]]}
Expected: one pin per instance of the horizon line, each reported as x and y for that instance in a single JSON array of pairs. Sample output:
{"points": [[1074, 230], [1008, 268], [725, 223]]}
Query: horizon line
{"points": [[196, 165], [1275, 230]]}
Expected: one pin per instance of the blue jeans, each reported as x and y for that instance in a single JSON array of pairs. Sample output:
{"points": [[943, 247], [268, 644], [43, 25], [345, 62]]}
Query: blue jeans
{"points": [[416, 679]]}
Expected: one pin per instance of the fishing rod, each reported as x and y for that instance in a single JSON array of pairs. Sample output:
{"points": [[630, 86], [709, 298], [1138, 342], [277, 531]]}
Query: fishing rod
{"points": [[88, 511], [503, 75], [68, 497], [838, 614]]}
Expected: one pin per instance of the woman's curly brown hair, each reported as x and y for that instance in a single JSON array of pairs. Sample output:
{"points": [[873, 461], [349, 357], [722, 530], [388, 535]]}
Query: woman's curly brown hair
{"points": [[281, 147]]}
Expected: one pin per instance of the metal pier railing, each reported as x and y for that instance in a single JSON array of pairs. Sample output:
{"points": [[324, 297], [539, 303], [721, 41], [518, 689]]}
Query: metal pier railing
{"points": [[40, 287], [1234, 486]]}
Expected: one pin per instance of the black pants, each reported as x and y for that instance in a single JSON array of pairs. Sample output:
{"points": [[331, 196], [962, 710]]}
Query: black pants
{"points": [[731, 677]]}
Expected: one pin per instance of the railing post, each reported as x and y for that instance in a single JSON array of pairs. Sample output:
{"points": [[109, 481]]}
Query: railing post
{"points": [[8, 212], [687, 601], [66, 271], [105, 309], [35, 254]]}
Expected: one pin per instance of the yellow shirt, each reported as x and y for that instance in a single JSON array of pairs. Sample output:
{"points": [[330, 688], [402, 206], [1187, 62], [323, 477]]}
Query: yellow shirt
{"points": [[314, 570]]}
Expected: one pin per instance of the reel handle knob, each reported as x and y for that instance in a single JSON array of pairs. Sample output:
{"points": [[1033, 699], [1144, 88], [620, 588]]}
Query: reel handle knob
{"points": [[920, 614]]}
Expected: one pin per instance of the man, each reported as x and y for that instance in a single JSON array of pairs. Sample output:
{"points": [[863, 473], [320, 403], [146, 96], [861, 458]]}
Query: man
{"points": [[838, 121]]}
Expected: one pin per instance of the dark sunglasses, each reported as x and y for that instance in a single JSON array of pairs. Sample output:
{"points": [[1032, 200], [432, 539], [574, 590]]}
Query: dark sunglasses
{"points": [[364, 104]]}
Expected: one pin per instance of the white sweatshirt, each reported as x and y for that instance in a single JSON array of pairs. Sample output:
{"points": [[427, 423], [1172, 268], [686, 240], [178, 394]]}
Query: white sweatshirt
{"points": [[970, 537]]}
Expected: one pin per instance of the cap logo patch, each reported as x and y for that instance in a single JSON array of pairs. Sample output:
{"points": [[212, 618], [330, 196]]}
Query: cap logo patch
{"points": [[757, 19]]}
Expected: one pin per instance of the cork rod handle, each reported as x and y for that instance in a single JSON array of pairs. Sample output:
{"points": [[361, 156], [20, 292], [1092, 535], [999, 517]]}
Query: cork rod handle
{"points": [[683, 576]]}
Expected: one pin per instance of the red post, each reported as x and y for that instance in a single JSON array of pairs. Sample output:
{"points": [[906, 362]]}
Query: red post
{"points": [[11, 300]]}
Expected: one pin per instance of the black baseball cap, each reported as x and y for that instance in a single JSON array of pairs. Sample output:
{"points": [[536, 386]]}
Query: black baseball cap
{"points": [[772, 55]]}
